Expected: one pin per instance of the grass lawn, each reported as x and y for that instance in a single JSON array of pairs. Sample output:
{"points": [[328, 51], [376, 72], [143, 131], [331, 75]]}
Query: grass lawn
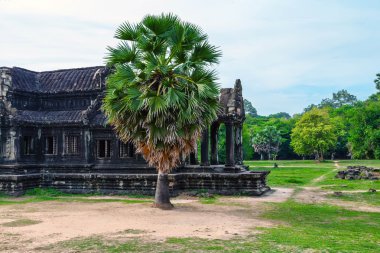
{"points": [[39, 195], [292, 173], [291, 163], [332, 183], [294, 176], [369, 163], [371, 198]]}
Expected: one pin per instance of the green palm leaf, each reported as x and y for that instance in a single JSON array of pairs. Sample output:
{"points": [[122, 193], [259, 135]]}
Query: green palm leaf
{"points": [[162, 91]]}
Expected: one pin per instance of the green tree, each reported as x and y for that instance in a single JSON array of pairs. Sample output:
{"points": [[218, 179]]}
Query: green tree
{"points": [[339, 99], [342, 98], [162, 91], [376, 96], [364, 130], [280, 115], [249, 109], [377, 82], [326, 102], [314, 133], [310, 107], [267, 141]]}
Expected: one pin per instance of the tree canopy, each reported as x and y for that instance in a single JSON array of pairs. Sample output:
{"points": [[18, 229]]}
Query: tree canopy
{"points": [[314, 133], [249, 109], [267, 141]]}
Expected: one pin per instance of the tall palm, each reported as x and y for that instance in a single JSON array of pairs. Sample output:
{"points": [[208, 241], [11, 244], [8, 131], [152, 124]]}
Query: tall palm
{"points": [[162, 91]]}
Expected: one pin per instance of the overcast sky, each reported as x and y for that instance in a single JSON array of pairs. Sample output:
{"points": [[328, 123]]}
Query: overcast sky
{"points": [[288, 53]]}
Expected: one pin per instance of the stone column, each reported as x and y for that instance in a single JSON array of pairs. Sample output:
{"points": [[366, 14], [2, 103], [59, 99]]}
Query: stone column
{"points": [[131, 150], [214, 143], [87, 146], [39, 147], [204, 148], [230, 145], [194, 156], [239, 144]]}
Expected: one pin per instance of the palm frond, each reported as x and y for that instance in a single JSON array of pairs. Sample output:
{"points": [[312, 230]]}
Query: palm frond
{"points": [[127, 31], [205, 53], [123, 53]]}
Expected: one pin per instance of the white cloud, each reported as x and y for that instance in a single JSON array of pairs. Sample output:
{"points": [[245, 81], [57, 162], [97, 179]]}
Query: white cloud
{"points": [[274, 46]]}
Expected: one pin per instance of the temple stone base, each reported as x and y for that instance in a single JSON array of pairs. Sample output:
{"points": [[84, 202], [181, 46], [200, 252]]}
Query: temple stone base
{"points": [[127, 180]]}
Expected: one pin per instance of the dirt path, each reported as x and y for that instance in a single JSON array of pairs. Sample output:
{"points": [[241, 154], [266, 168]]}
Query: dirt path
{"points": [[313, 194], [322, 177], [44, 223]]}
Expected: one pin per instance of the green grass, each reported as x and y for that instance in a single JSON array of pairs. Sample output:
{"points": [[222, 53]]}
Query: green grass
{"points": [[293, 176], [332, 183], [40, 195], [324, 227], [302, 227], [291, 163], [312, 163], [304, 171], [368, 163], [371, 198]]}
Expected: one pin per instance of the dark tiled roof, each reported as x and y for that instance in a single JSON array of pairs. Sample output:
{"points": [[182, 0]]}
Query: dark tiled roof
{"points": [[50, 117], [24, 80], [66, 80]]}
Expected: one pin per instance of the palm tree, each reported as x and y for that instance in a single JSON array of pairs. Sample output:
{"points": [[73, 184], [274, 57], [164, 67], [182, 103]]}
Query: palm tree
{"points": [[162, 92]]}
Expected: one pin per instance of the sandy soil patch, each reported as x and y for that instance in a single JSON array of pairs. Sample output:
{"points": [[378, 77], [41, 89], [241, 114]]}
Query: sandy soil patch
{"points": [[59, 221]]}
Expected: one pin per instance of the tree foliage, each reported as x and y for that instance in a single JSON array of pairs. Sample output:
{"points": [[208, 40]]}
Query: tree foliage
{"points": [[162, 91], [339, 99], [377, 82], [280, 115], [364, 131], [267, 141], [314, 133], [249, 109]]}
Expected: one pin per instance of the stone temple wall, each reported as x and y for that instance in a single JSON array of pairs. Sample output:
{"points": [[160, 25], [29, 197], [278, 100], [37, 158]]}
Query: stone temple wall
{"points": [[53, 104], [246, 183]]}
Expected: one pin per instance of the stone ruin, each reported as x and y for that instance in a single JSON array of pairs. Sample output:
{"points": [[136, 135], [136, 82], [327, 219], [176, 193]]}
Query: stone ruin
{"points": [[359, 172], [53, 134]]}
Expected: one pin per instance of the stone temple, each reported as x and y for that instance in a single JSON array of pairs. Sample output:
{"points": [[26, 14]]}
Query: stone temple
{"points": [[53, 134]]}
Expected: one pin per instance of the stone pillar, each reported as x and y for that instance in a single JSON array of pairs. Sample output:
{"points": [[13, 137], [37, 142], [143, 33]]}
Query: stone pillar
{"points": [[13, 144], [214, 143], [39, 147], [87, 145], [131, 150], [230, 145], [239, 144], [204, 148], [194, 156]]}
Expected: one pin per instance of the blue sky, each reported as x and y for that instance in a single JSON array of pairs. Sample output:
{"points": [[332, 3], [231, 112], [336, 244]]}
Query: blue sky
{"points": [[288, 53]]}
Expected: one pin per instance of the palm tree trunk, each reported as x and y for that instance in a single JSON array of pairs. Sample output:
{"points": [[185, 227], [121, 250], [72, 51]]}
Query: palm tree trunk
{"points": [[162, 196]]}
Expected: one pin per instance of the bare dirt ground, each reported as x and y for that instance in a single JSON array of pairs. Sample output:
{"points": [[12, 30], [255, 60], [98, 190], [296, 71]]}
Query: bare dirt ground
{"points": [[28, 226]]}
